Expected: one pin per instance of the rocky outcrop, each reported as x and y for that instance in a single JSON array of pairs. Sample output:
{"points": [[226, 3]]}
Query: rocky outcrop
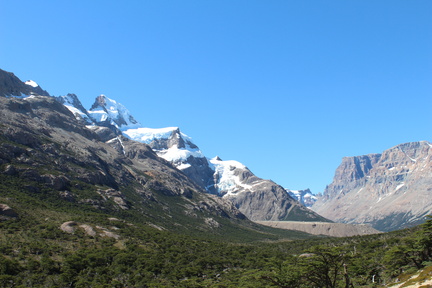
{"points": [[71, 227], [387, 191], [7, 212], [115, 196]]}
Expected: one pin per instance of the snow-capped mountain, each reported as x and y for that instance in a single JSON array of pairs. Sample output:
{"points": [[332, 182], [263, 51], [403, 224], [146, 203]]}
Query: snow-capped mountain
{"points": [[176, 147], [305, 197], [72, 102], [106, 111], [80, 167], [257, 198], [230, 176]]}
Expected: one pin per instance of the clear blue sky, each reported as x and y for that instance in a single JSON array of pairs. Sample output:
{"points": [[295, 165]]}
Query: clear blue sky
{"points": [[287, 88]]}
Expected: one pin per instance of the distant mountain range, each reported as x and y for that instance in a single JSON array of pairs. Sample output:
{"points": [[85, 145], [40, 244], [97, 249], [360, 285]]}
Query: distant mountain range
{"points": [[387, 191], [305, 197], [257, 198], [112, 123]]}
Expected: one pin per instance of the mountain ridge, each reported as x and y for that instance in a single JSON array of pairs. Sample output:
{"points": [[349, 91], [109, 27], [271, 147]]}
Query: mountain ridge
{"points": [[388, 191], [394, 178], [257, 198], [114, 161], [263, 200]]}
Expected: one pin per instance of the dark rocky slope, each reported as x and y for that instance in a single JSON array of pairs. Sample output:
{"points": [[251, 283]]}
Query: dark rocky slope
{"points": [[10, 85]]}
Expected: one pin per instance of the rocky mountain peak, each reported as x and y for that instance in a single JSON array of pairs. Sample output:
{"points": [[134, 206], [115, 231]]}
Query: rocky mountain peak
{"points": [[305, 197], [100, 102], [354, 168], [72, 102], [176, 139], [217, 158], [36, 89], [106, 111]]}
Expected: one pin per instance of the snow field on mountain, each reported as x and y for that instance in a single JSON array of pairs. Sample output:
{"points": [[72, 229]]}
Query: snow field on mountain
{"points": [[147, 135], [179, 155], [228, 181]]}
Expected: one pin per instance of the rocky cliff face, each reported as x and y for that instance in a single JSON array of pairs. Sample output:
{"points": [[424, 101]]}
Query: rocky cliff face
{"points": [[388, 191]]}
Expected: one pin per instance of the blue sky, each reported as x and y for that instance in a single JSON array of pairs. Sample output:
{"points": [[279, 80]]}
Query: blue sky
{"points": [[287, 88]]}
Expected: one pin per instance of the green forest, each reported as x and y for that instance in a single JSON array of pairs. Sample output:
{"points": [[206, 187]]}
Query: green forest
{"points": [[35, 252]]}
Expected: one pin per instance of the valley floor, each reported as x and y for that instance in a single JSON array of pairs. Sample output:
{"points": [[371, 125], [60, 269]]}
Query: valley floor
{"points": [[323, 228]]}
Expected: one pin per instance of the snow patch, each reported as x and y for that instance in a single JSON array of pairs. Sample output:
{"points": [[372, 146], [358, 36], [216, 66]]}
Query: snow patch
{"points": [[121, 143], [31, 83], [98, 115], [399, 186], [179, 155], [183, 166], [77, 112], [29, 97]]}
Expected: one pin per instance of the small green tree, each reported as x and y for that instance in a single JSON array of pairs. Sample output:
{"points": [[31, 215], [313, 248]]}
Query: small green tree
{"points": [[325, 267], [423, 239], [286, 274]]}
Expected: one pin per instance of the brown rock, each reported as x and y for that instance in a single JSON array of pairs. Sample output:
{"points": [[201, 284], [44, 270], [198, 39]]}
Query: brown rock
{"points": [[7, 211], [69, 227]]}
